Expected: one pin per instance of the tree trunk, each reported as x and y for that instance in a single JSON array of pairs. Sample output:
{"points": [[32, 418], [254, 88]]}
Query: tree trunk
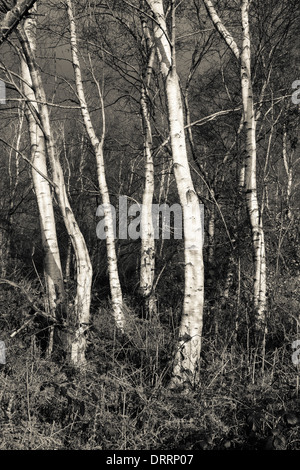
{"points": [[147, 266], [68, 263], [244, 60], [115, 286], [289, 172], [4, 246], [211, 242], [189, 347], [80, 316], [52, 264], [250, 173]]}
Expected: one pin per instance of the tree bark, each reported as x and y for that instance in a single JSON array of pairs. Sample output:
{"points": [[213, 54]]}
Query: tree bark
{"points": [[115, 286], [52, 263], [250, 172], [79, 314], [187, 357], [244, 59], [289, 172], [13, 17], [147, 266], [211, 242]]}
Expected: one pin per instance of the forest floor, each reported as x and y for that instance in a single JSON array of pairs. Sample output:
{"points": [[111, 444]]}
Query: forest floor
{"points": [[247, 398]]}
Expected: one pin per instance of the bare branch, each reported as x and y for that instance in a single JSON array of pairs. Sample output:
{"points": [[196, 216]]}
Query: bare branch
{"points": [[32, 303], [29, 162], [13, 17], [222, 30]]}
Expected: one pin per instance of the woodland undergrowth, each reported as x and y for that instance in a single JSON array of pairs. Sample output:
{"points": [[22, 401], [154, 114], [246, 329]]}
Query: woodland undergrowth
{"points": [[247, 395]]}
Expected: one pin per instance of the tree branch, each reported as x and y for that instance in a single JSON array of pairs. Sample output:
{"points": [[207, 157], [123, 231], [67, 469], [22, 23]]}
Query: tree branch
{"points": [[13, 17]]}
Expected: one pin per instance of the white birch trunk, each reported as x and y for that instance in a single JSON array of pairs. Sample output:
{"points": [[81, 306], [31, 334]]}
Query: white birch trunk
{"points": [[80, 317], [52, 264], [147, 266], [250, 172], [115, 287], [289, 172], [244, 59], [190, 332]]}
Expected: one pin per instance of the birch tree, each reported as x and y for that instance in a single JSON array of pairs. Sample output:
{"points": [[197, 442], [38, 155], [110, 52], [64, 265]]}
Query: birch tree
{"points": [[52, 264], [97, 144], [243, 56], [79, 313], [147, 267], [190, 332]]}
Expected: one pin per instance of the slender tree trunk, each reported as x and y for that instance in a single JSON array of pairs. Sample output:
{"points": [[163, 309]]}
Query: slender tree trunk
{"points": [[289, 172], [164, 194], [80, 313], [68, 262], [233, 260], [147, 266], [52, 264], [250, 172], [228, 280], [211, 242], [4, 247], [244, 59], [190, 331], [115, 286]]}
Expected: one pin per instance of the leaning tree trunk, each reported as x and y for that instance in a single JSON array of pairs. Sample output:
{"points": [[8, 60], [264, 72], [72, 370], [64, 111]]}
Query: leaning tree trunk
{"points": [[52, 264], [189, 347], [114, 281], [80, 313]]}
